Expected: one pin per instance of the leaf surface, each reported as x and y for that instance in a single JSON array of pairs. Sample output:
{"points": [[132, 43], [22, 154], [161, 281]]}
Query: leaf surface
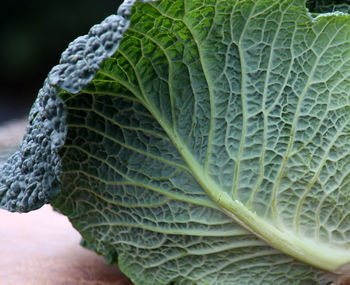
{"points": [[213, 146], [210, 108]]}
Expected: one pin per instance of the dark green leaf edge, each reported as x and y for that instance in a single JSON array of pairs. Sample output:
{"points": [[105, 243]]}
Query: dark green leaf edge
{"points": [[31, 176]]}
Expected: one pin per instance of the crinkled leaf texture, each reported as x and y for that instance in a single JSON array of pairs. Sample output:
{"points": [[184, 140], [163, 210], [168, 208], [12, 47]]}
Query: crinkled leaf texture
{"points": [[211, 148], [31, 176]]}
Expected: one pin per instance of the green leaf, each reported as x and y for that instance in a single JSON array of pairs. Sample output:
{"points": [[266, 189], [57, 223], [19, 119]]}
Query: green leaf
{"points": [[222, 107], [213, 146]]}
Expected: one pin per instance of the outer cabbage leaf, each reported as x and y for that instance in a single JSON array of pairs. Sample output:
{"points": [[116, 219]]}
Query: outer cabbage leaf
{"points": [[212, 147]]}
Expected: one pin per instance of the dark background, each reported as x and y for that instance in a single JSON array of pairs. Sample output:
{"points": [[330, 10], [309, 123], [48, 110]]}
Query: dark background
{"points": [[33, 34]]}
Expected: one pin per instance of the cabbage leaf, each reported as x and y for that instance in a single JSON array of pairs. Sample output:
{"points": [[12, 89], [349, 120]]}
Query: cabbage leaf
{"points": [[206, 143]]}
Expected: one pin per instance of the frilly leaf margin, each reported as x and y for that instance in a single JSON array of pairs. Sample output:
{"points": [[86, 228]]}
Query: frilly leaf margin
{"points": [[31, 176]]}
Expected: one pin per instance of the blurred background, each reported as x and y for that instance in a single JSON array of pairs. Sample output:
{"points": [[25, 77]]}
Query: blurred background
{"points": [[33, 34]]}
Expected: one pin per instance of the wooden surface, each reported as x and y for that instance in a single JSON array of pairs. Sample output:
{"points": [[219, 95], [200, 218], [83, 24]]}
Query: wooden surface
{"points": [[42, 248]]}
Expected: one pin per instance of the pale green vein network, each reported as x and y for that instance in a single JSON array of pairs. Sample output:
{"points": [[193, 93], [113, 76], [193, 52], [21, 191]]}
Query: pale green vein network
{"points": [[290, 241], [244, 107], [117, 94], [125, 84], [147, 131], [312, 182], [243, 215], [171, 92], [193, 200], [291, 140], [211, 98], [326, 112], [112, 202], [237, 259], [169, 79], [267, 79], [145, 153], [164, 230]]}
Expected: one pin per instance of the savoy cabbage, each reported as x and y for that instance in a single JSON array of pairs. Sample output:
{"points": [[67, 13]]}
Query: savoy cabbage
{"points": [[200, 142]]}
